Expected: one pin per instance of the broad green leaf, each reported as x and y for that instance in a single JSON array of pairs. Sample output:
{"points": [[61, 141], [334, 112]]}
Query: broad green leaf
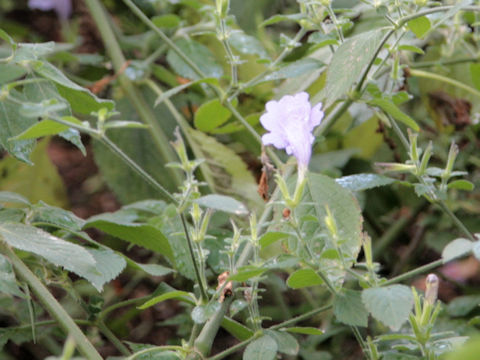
{"points": [[199, 54], [240, 331], [222, 203], [461, 185], [411, 48], [12, 215], [225, 170], [13, 45], [10, 197], [349, 309], [321, 40], [154, 269], [246, 273], [348, 62], [108, 266], [10, 72], [35, 51], [475, 74], [419, 26], [295, 69], [360, 182], [271, 237], [57, 251], [277, 18], [120, 224], [8, 283], [456, 248], [44, 214], [177, 294], [42, 128], [304, 278], [48, 186], [392, 109], [167, 21], [306, 330], [247, 44], [211, 115], [390, 304], [286, 343], [264, 348], [201, 313], [463, 305], [80, 99]]}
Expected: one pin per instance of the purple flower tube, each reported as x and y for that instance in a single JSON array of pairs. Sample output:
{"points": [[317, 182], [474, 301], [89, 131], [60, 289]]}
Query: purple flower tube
{"points": [[63, 8]]}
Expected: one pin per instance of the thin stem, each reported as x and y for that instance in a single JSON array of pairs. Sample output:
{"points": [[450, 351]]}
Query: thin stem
{"points": [[338, 29], [426, 64], [144, 110], [444, 79], [302, 317], [234, 348], [414, 272], [113, 338], [200, 280], [456, 220], [52, 305], [155, 348], [103, 314]]}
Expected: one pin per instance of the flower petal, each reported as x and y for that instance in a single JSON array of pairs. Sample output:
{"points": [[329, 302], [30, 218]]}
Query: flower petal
{"points": [[316, 115], [274, 139]]}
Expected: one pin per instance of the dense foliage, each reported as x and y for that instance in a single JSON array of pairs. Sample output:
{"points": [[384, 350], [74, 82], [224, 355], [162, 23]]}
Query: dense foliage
{"points": [[222, 245]]}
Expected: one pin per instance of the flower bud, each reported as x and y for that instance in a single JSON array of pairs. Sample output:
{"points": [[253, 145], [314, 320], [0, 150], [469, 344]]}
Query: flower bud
{"points": [[431, 290]]}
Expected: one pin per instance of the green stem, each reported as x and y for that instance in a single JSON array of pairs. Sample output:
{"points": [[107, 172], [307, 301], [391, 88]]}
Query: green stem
{"points": [[234, 348], [144, 110], [52, 305], [113, 338], [153, 349], [302, 317], [444, 79], [426, 64], [103, 314], [456, 220], [414, 272]]}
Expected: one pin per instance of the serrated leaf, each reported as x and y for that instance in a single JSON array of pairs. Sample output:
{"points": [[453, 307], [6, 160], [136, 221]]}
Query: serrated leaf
{"points": [[108, 266], [201, 313], [222, 203], [11, 197], [456, 248], [306, 330], [271, 237], [120, 224], [392, 109], [461, 185], [304, 278], [8, 283], [57, 251], [211, 115], [199, 54], [177, 294], [264, 348], [360, 182], [286, 343], [391, 305], [349, 309], [419, 26], [347, 63]]}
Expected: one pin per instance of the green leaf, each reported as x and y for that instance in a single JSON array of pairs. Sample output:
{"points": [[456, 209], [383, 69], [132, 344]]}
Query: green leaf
{"points": [[245, 273], [33, 51], [463, 305], [124, 124], [411, 48], [277, 18], [306, 330], [199, 54], [222, 203], [169, 93], [42, 128], [271, 237], [57, 251], [456, 249], [80, 99], [419, 26], [8, 283], [108, 266], [264, 348], [348, 62], [120, 224], [286, 343], [9, 40], [211, 115], [177, 294], [167, 21], [11, 197], [392, 109], [247, 44], [360, 182], [349, 309], [475, 74], [461, 185], [201, 313], [304, 278], [10, 72], [153, 269], [295, 69], [240, 331], [44, 214], [391, 305]]}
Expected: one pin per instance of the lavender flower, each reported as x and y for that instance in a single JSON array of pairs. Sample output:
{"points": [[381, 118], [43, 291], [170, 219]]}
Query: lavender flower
{"points": [[290, 122], [63, 8]]}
